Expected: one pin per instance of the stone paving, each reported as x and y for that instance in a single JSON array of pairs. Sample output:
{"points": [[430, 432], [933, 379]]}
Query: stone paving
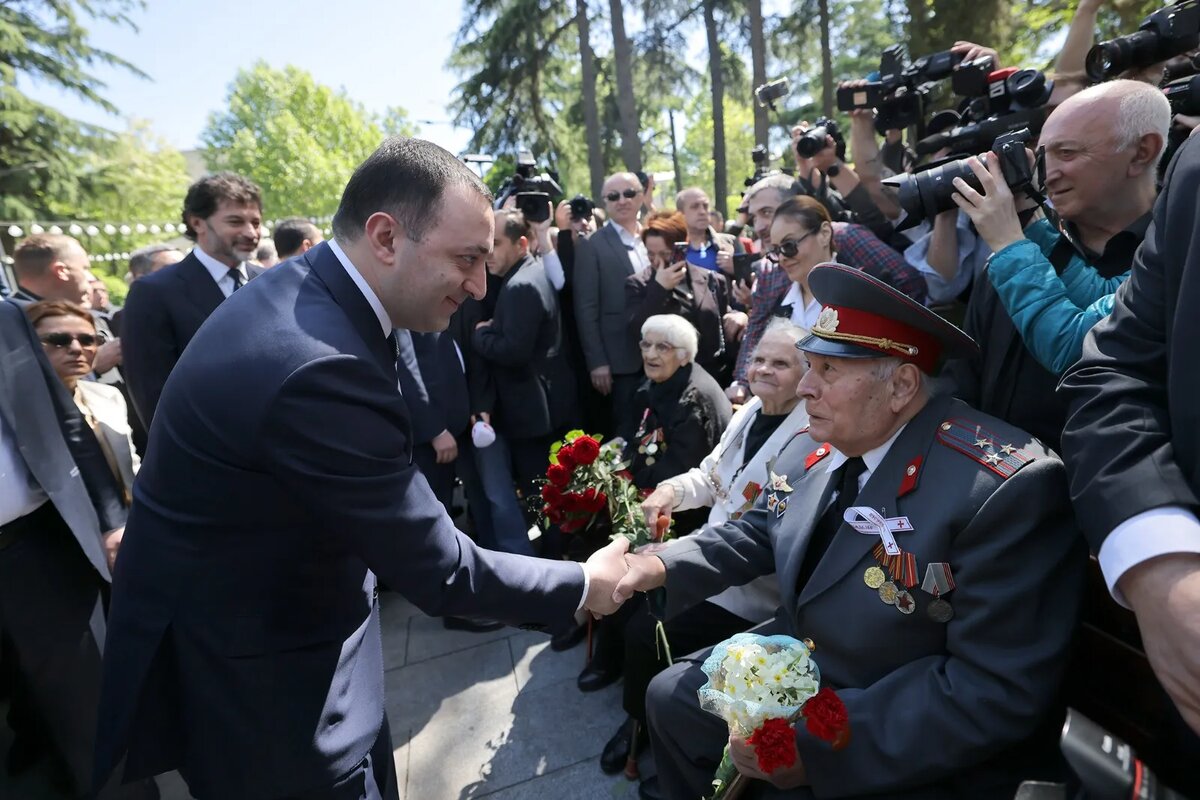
{"points": [[473, 715]]}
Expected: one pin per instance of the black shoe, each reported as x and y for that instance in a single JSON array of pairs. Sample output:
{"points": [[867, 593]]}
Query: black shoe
{"points": [[470, 625], [648, 790], [568, 639], [595, 677], [616, 752]]}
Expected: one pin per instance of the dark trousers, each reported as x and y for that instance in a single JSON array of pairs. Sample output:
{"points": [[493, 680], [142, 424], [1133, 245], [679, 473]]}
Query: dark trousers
{"points": [[50, 614], [373, 778], [698, 627]]}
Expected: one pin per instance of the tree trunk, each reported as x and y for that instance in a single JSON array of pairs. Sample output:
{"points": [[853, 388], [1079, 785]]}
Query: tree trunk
{"points": [[631, 145], [758, 61], [591, 116], [720, 181], [675, 152], [826, 62]]}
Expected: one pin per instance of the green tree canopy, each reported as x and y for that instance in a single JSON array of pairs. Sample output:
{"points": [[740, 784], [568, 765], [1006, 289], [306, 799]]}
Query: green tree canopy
{"points": [[296, 138]]}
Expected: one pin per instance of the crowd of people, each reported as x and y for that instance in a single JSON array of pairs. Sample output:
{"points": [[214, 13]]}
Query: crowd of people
{"points": [[765, 376]]}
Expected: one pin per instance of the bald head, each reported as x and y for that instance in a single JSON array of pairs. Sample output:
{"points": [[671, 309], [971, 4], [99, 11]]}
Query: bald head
{"points": [[627, 190], [693, 203], [1129, 109]]}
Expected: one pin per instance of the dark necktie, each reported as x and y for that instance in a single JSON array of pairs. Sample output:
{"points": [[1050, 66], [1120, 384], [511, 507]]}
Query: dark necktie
{"points": [[827, 526], [394, 345], [236, 277]]}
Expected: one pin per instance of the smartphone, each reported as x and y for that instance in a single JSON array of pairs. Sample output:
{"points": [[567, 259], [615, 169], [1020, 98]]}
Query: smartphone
{"points": [[743, 267], [680, 253]]}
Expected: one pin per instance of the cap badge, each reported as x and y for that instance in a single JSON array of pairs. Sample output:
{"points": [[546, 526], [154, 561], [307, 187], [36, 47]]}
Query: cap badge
{"points": [[827, 322]]}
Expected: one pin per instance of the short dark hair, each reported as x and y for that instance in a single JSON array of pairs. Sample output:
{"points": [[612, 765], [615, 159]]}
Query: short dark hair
{"points": [[290, 235], [142, 259], [34, 254], [670, 225], [512, 223], [405, 178], [206, 194]]}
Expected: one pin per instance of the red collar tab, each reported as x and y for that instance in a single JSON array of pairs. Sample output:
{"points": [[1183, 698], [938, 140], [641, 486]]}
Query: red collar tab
{"points": [[887, 336], [912, 474], [817, 455]]}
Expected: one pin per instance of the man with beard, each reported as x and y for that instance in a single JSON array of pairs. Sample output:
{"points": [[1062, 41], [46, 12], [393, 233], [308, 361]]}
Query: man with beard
{"points": [[222, 214]]}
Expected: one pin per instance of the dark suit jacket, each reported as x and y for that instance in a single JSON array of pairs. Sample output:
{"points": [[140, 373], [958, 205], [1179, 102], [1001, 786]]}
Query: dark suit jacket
{"points": [[1132, 437], [62, 453], [709, 292], [434, 386], [601, 267], [523, 350], [163, 311], [244, 645]]}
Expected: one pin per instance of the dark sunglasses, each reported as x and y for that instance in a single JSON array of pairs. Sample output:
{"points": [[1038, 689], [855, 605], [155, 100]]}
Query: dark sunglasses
{"points": [[64, 339], [787, 249], [613, 197]]}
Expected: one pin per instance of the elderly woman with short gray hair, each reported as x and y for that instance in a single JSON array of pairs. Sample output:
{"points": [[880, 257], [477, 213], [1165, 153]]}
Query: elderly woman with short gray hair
{"points": [[679, 412]]}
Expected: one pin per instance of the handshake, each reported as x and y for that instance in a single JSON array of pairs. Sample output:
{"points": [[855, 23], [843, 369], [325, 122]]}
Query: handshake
{"points": [[615, 574]]}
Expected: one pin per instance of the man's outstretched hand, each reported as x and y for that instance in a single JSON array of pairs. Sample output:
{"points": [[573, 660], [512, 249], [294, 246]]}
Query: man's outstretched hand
{"points": [[646, 572], [605, 568]]}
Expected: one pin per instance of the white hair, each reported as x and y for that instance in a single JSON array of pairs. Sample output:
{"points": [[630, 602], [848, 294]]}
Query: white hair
{"points": [[784, 184], [885, 368], [1141, 109], [676, 330], [783, 326]]}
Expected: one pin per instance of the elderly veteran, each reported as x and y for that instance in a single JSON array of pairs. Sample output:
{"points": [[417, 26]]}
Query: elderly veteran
{"points": [[727, 482], [948, 652]]}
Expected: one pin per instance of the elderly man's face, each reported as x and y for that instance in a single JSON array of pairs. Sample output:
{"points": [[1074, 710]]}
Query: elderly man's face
{"points": [[624, 209], [848, 406], [1086, 168]]}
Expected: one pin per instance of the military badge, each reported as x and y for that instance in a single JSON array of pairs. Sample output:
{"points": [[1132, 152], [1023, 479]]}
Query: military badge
{"points": [[827, 322], [939, 582], [777, 493]]}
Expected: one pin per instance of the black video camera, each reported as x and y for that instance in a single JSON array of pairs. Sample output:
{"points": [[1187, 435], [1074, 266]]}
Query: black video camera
{"points": [[929, 191], [581, 207], [533, 191], [1165, 33], [1184, 94], [1009, 91]]}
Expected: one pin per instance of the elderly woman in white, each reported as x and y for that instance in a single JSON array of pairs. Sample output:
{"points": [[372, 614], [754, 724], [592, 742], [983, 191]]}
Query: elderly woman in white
{"points": [[727, 481]]}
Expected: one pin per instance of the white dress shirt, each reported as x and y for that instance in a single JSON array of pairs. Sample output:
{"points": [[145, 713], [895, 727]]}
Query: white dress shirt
{"points": [[803, 315], [872, 459], [1157, 532], [20, 494], [638, 256], [385, 325], [220, 272]]}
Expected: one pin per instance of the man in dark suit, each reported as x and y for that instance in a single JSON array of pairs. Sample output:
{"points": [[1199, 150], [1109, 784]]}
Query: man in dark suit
{"points": [[522, 347], [1132, 439], [603, 262], [61, 523], [986, 544], [222, 214], [244, 644]]}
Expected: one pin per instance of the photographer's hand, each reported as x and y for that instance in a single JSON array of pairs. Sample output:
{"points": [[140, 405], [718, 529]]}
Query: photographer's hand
{"points": [[972, 51], [993, 212]]}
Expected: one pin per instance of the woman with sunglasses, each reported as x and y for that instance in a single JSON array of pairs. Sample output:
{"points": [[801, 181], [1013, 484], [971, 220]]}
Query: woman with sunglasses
{"points": [[801, 238], [670, 285], [70, 339]]}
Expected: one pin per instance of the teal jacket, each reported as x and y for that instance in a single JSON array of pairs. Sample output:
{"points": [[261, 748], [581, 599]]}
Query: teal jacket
{"points": [[1052, 313]]}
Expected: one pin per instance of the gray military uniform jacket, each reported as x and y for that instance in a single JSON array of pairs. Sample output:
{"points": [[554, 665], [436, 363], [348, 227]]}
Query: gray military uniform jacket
{"points": [[933, 707]]}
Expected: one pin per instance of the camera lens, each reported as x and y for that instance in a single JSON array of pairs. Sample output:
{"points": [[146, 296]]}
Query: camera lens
{"points": [[812, 142], [925, 194], [1026, 85]]}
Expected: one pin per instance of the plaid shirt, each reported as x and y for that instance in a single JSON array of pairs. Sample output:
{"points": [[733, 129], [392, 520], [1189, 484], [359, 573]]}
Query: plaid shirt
{"points": [[855, 246]]}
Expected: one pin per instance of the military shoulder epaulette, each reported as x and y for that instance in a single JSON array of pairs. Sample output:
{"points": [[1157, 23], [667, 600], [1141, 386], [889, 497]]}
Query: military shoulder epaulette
{"points": [[970, 439]]}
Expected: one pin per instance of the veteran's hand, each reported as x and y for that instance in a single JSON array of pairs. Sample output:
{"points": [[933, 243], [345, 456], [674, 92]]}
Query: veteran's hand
{"points": [[737, 394], [605, 568], [659, 503], [1164, 592], [646, 572], [741, 753], [993, 212]]}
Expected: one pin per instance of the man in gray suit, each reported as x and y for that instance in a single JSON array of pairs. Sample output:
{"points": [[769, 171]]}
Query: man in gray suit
{"points": [[964, 532], [602, 263], [61, 522]]}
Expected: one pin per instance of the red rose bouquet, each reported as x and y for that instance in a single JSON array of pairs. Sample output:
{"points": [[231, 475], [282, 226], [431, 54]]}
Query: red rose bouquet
{"points": [[586, 481]]}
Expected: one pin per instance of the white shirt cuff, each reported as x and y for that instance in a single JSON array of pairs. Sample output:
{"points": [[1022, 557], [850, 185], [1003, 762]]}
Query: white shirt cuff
{"points": [[586, 582], [1157, 532]]}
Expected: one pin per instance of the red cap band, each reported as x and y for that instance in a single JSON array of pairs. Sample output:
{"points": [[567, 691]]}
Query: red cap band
{"points": [[887, 336]]}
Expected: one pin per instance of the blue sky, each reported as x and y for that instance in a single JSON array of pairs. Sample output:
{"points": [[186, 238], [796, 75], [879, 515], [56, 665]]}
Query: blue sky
{"points": [[383, 52]]}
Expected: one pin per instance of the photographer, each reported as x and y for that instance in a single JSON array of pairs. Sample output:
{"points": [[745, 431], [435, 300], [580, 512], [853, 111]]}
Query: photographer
{"points": [[1046, 289]]}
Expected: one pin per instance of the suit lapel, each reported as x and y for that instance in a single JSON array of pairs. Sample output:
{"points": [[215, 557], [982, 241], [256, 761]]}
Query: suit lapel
{"points": [[880, 493], [619, 248], [325, 264], [200, 287], [805, 506]]}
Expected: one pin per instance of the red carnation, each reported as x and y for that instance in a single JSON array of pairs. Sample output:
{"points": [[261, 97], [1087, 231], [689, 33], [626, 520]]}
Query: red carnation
{"points": [[825, 716], [558, 475], [774, 745], [573, 501], [551, 494], [566, 457], [572, 525], [585, 449]]}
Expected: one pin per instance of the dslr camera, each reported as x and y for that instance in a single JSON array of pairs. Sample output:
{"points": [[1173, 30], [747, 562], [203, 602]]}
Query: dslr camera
{"points": [[812, 141], [533, 191], [581, 207], [1012, 99], [1162, 35], [929, 191]]}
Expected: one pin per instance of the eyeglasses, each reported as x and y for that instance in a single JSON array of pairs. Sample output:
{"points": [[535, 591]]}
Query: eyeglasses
{"points": [[613, 197], [60, 340], [662, 348], [787, 249]]}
